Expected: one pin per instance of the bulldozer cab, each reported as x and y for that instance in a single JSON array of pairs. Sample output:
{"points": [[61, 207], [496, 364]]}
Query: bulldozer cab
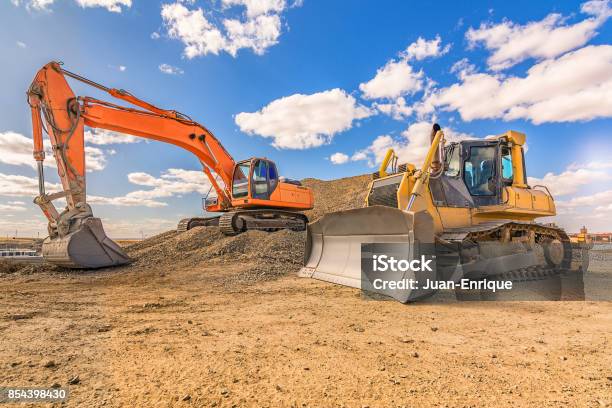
{"points": [[475, 173], [254, 178]]}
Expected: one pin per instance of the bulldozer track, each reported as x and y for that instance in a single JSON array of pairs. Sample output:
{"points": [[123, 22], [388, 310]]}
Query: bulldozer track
{"points": [[449, 253]]}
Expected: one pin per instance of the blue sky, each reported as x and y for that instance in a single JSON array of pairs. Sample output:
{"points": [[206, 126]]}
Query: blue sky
{"points": [[307, 82]]}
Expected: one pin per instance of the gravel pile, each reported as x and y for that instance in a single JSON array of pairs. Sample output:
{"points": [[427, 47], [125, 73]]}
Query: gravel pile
{"points": [[19, 268], [264, 255], [261, 255], [337, 195]]}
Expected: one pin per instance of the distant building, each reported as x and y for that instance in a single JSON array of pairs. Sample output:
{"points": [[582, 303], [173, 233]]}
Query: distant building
{"points": [[596, 237]]}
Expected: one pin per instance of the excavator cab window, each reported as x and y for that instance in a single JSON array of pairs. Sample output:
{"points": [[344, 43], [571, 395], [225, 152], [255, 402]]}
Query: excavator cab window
{"points": [[260, 179], [240, 182], [479, 171], [272, 176]]}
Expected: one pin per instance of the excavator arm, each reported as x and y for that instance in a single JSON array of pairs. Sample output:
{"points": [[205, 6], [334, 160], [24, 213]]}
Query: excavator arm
{"points": [[76, 238]]}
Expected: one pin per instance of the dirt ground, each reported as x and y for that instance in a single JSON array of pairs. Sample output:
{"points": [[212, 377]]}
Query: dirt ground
{"points": [[202, 320], [194, 337]]}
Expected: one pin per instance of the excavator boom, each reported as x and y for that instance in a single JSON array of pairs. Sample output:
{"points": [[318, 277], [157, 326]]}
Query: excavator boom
{"points": [[76, 238]]}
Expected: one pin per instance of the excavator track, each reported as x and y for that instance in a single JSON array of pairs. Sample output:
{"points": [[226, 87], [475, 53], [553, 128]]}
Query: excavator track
{"points": [[235, 222], [188, 223], [227, 224]]}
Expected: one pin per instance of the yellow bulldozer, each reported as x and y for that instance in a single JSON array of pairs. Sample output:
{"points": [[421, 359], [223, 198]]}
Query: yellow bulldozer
{"points": [[468, 209]]}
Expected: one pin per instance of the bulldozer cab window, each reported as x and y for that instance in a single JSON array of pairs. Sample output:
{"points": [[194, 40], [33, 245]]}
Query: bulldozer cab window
{"points": [[479, 171], [507, 171], [260, 180], [240, 182], [453, 161]]}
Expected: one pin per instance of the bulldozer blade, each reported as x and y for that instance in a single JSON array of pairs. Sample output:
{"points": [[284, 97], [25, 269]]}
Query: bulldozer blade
{"points": [[86, 248], [340, 245]]}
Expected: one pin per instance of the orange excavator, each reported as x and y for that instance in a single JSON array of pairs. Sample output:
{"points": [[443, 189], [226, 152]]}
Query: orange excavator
{"points": [[249, 194]]}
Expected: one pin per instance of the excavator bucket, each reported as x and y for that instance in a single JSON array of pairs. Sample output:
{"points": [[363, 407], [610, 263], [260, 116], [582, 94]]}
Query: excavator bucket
{"points": [[84, 248], [340, 248]]}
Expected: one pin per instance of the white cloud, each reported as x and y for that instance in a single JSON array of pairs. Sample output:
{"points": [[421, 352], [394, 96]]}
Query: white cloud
{"points": [[397, 109], [16, 149], [257, 34], [601, 200], [339, 158], [398, 78], [569, 181], [258, 30], [22, 186], [25, 226], [304, 121], [21, 44], [39, 5], [255, 8], [9, 207], [136, 228], [422, 48], [395, 79], [109, 137], [170, 70], [360, 155], [512, 43], [462, 68], [193, 29], [114, 6], [173, 182], [575, 177], [155, 35], [597, 165], [412, 147], [120, 68], [593, 211], [576, 86], [95, 158], [125, 201]]}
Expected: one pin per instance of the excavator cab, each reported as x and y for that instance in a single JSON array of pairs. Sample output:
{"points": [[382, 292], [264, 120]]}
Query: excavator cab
{"points": [[254, 178]]}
